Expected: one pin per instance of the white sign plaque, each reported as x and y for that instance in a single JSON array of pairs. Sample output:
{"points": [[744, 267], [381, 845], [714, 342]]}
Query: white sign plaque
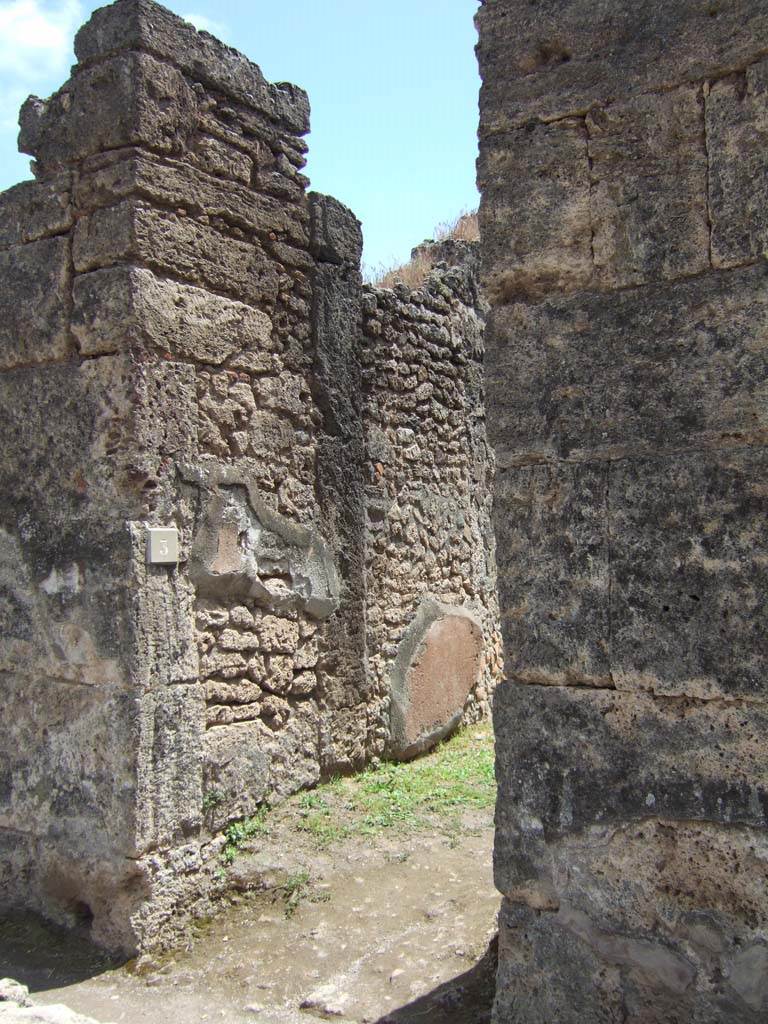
{"points": [[162, 546]]}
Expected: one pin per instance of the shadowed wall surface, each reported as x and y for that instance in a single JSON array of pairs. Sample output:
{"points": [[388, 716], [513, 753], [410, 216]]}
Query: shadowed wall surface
{"points": [[623, 179]]}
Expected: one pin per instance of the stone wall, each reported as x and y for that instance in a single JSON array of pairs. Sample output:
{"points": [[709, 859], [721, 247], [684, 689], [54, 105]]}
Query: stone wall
{"points": [[623, 175], [428, 495], [182, 346]]}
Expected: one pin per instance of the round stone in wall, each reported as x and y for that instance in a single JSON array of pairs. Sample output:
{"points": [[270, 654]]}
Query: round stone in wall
{"points": [[437, 666]]}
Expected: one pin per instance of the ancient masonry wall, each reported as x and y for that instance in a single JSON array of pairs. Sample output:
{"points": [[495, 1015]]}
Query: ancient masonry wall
{"points": [[623, 174], [181, 346], [428, 495]]}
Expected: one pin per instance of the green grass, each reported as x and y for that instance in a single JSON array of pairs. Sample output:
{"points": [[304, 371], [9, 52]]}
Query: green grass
{"points": [[432, 792], [239, 832], [435, 789]]}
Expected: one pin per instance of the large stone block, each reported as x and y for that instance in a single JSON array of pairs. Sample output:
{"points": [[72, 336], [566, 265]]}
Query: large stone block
{"points": [[125, 307], [68, 765], [143, 25], [538, 179], [106, 180], [556, 58], [130, 99], [648, 199], [656, 976], [60, 488], [633, 574], [657, 369], [175, 245], [169, 753], [249, 762], [569, 758], [34, 284], [336, 233], [437, 666], [689, 571], [737, 122], [69, 624], [35, 209], [553, 557]]}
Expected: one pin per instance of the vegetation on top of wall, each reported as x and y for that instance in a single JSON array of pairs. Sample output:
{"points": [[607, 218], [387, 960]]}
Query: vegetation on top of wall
{"points": [[413, 274]]}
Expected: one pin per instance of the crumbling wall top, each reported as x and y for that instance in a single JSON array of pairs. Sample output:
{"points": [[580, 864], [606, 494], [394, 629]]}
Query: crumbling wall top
{"points": [[146, 26], [146, 77]]}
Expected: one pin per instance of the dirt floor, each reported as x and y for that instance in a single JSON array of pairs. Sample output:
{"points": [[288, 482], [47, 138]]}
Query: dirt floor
{"points": [[393, 926]]}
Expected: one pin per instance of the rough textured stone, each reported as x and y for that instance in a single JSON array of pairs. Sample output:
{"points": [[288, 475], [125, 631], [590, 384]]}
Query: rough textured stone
{"points": [[35, 330], [143, 25], [737, 120], [658, 369], [179, 186], [219, 369], [35, 209], [336, 234], [648, 188], [628, 421], [176, 245], [428, 486], [130, 99], [122, 307], [551, 210], [555, 59]]}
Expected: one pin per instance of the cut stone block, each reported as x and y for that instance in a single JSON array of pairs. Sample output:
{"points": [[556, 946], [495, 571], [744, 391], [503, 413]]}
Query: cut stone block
{"points": [[553, 561], [176, 185], [123, 306], [648, 171], [34, 285], [130, 99], [655, 369], [737, 125], [35, 209], [175, 245], [687, 588], [569, 758], [143, 25], [550, 248], [336, 234], [552, 59]]}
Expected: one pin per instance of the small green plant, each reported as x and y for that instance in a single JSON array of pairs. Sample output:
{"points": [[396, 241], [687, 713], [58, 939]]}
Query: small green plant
{"points": [[239, 832], [212, 800], [311, 800], [294, 889], [298, 888]]}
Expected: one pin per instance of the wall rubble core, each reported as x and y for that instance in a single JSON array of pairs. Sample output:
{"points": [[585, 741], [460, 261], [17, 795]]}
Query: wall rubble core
{"points": [[622, 173], [186, 341]]}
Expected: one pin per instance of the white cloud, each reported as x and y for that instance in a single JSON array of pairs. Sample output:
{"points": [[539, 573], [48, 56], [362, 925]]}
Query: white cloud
{"points": [[9, 109], [36, 37], [203, 24]]}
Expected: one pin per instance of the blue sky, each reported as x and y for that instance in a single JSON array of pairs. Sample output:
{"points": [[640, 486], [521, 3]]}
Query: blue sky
{"points": [[393, 89]]}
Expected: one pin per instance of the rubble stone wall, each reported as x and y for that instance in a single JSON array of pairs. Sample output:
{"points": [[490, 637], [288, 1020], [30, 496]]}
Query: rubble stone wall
{"points": [[182, 346], [428, 492], [623, 178]]}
